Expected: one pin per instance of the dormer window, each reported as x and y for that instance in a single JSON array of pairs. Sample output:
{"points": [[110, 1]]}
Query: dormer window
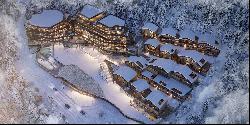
{"points": [[202, 61], [172, 50], [163, 83], [152, 60], [139, 64], [160, 102], [193, 75]]}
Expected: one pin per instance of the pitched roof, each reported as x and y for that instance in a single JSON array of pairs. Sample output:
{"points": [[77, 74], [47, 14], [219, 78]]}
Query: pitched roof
{"points": [[171, 84], [153, 42], [169, 65], [90, 11], [140, 59], [155, 96], [126, 72], [47, 18], [169, 30], [112, 21], [140, 85], [150, 26]]}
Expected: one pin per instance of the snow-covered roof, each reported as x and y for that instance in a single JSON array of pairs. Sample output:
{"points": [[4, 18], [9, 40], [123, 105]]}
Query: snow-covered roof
{"points": [[126, 72], [140, 59], [150, 26], [171, 83], [208, 38], [112, 21], [90, 11], [169, 65], [153, 42], [155, 96], [148, 74], [185, 71], [196, 56], [140, 85], [187, 34], [168, 31], [47, 18], [169, 48], [173, 102], [166, 64]]}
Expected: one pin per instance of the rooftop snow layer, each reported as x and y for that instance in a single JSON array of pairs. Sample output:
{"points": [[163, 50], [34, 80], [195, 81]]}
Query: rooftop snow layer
{"points": [[140, 59], [171, 83], [47, 18], [155, 96], [126, 72], [196, 56], [187, 34], [185, 71], [140, 85], [112, 21], [169, 48], [90, 11], [150, 26], [170, 31], [169, 65], [148, 74], [166, 64], [153, 42]]}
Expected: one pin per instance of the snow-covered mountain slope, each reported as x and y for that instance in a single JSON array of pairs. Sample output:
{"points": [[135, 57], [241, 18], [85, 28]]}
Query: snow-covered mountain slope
{"points": [[223, 97]]}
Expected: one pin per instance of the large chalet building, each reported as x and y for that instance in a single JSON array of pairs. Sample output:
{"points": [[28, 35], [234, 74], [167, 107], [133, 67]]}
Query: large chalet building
{"points": [[90, 27], [157, 85], [158, 80], [193, 59], [150, 30]]}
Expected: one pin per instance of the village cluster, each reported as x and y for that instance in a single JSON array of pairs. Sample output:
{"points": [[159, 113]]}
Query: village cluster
{"points": [[158, 79]]}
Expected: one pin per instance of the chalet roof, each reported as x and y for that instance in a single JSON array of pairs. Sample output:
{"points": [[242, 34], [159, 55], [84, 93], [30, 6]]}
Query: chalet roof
{"points": [[169, 65], [155, 96], [196, 56], [140, 85], [171, 83], [112, 21], [140, 59], [169, 48], [153, 42], [208, 38], [147, 73], [90, 11], [47, 18], [166, 64], [185, 71], [187, 34], [150, 26], [126, 72], [169, 30]]}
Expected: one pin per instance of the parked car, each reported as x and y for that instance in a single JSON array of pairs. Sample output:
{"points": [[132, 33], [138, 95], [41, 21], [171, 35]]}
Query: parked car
{"points": [[67, 106]]}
